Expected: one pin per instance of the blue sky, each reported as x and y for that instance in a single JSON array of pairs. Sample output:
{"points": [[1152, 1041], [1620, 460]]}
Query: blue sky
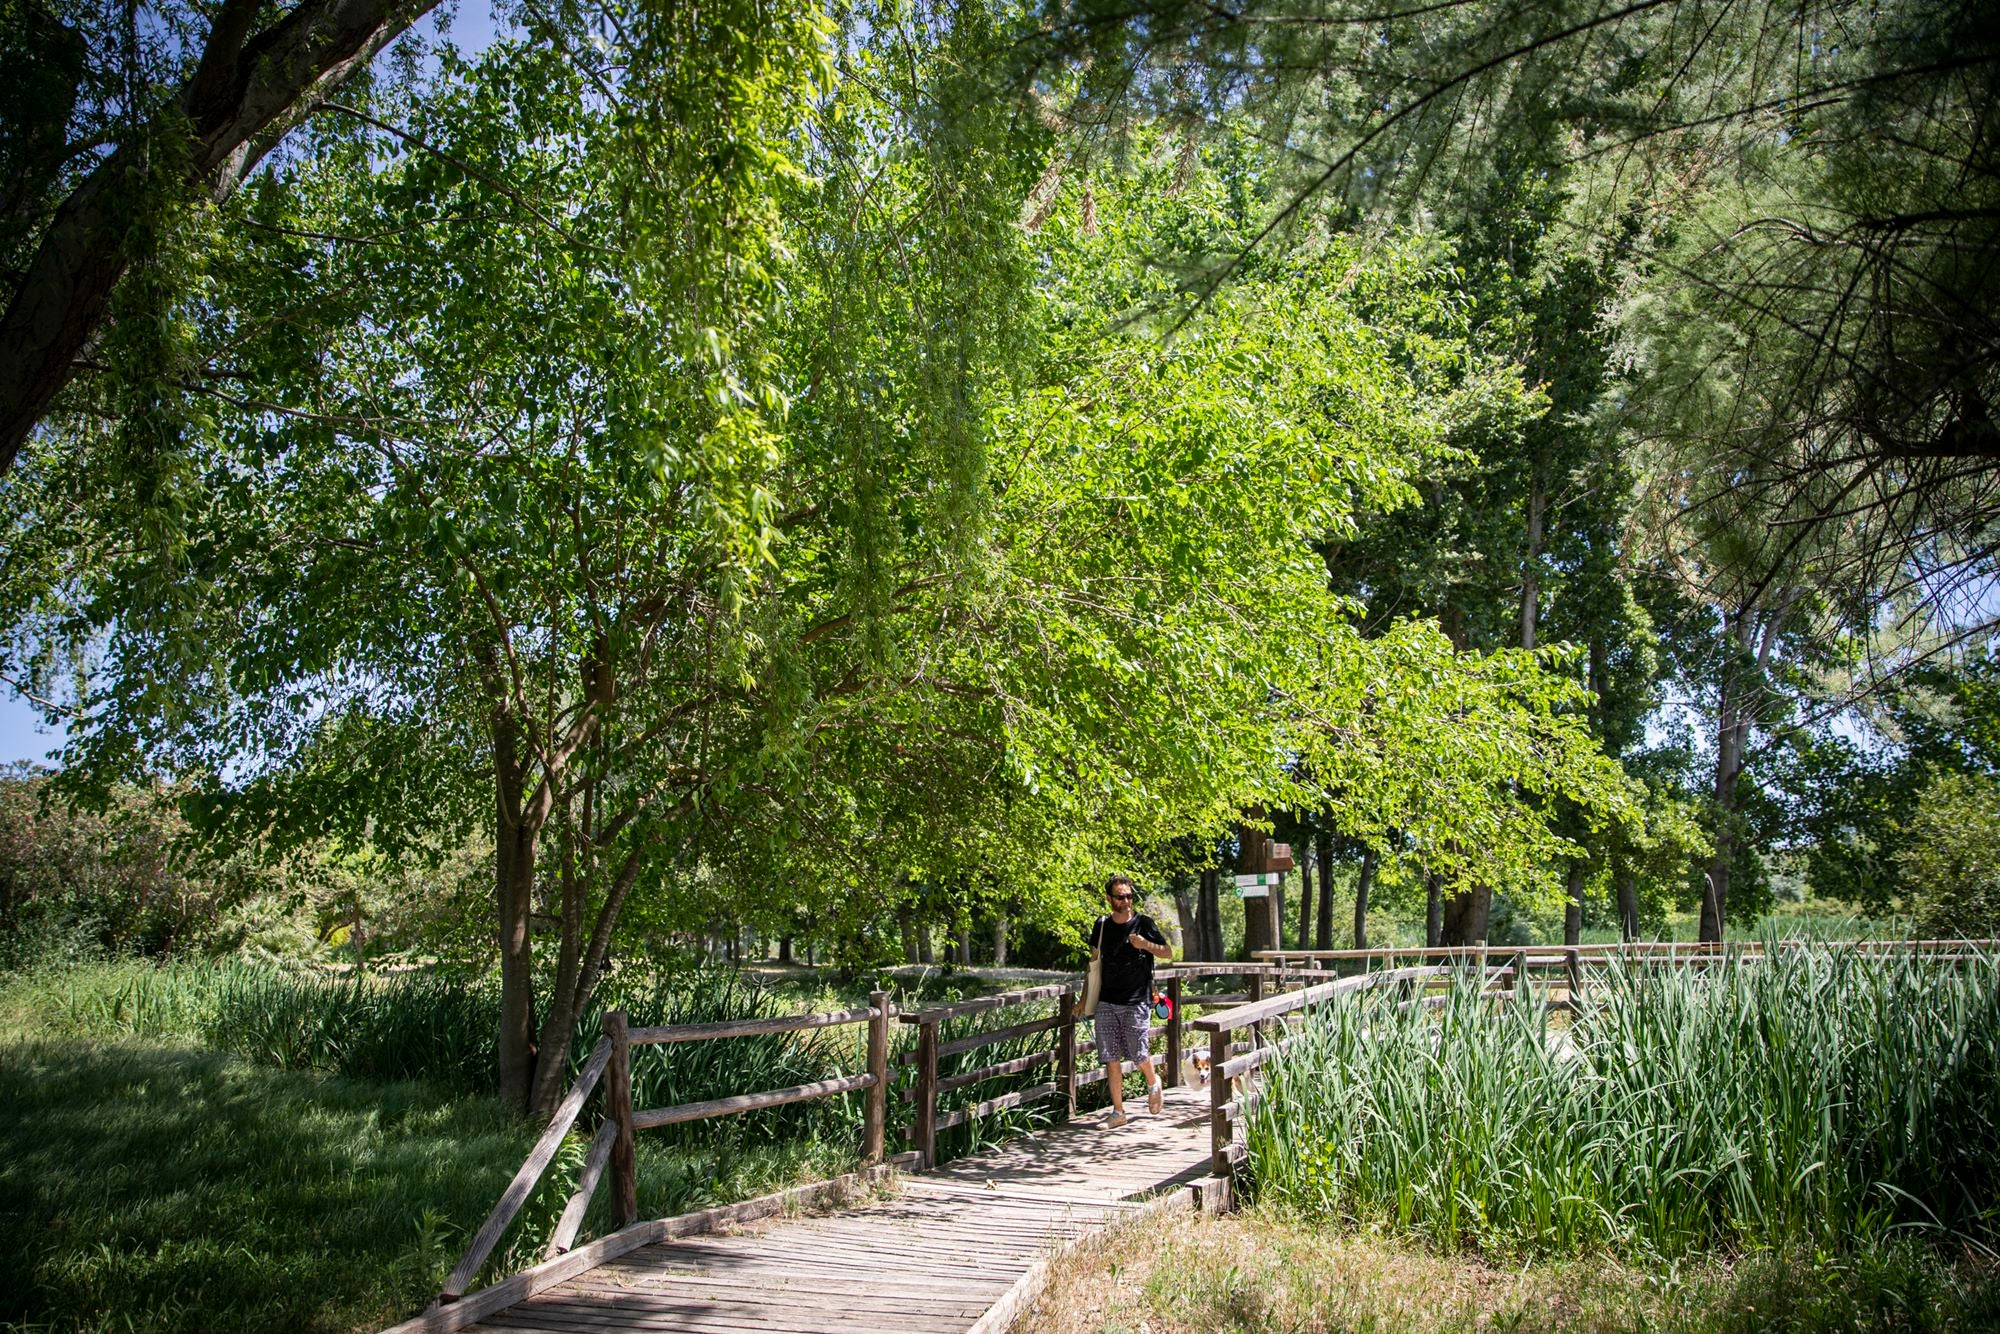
{"points": [[21, 737]]}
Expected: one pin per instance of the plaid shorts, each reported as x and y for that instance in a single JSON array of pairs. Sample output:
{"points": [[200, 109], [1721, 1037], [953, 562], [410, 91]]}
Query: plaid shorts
{"points": [[1122, 1031]]}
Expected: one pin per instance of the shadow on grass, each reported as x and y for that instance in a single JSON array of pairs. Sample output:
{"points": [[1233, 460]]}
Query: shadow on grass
{"points": [[163, 1188], [171, 1188]]}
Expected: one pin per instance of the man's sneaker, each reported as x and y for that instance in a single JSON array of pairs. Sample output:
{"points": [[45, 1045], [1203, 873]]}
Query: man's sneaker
{"points": [[1155, 1098], [1115, 1119]]}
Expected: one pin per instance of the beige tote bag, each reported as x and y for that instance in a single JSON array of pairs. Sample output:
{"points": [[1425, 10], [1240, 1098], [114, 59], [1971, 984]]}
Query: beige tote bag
{"points": [[1093, 977]]}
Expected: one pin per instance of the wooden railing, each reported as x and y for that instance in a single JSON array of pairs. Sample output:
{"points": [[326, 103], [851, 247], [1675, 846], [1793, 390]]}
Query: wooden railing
{"points": [[1226, 1066], [1672, 951], [1279, 983], [610, 1062]]}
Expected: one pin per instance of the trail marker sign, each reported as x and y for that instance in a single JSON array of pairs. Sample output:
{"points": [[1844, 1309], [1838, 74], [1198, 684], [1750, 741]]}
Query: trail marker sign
{"points": [[1256, 886]]}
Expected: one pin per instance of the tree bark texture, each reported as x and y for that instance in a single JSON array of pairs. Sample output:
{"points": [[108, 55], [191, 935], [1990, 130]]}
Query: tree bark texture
{"points": [[1211, 915], [1362, 885], [1531, 567], [1466, 915], [1323, 929], [1000, 941], [1433, 910], [1628, 900], [1573, 904], [1305, 899], [1754, 634], [245, 92]]}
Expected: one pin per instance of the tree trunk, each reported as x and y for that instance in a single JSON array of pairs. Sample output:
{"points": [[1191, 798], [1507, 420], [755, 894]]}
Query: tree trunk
{"points": [[514, 888], [1628, 899], [244, 93], [1732, 728], [965, 945], [1465, 916], [1433, 910], [784, 949], [1306, 897], [1362, 884], [1211, 916], [906, 922], [924, 943], [1531, 568], [1323, 932], [1573, 904], [1260, 920], [1000, 941]]}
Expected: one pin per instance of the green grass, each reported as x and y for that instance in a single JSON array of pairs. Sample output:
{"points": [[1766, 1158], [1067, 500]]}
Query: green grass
{"points": [[1822, 1101], [163, 1188], [225, 1146]]}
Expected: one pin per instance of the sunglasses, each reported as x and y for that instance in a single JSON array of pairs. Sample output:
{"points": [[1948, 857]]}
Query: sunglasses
{"points": [[1119, 898]]}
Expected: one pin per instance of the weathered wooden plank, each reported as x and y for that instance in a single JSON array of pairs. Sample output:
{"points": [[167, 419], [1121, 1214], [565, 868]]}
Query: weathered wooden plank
{"points": [[586, 1185], [495, 1297], [835, 1264], [994, 1071], [442, 1319], [750, 1028], [768, 1301], [918, 1287], [1261, 1011], [974, 1041], [983, 1004], [523, 1184], [992, 1105], [748, 1102]]}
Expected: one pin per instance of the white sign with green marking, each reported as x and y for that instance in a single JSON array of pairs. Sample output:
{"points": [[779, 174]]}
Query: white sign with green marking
{"points": [[1256, 886]]}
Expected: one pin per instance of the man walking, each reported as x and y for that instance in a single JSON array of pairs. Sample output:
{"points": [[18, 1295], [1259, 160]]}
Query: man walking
{"points": [[1126, 942]]}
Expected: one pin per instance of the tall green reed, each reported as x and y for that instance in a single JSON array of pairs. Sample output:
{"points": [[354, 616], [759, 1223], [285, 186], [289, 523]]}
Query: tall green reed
{"points": [[1821, 1098]]}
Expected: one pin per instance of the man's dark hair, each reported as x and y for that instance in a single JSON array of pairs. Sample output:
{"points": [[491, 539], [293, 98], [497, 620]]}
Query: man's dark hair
{"points": [[1124, 880]]}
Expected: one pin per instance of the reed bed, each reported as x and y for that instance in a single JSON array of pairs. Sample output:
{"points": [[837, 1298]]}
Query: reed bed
{"points": [[1820, 1099]]}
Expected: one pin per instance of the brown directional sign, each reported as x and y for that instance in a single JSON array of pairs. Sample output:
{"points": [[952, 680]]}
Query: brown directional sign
{"points": [[1279, 857]]}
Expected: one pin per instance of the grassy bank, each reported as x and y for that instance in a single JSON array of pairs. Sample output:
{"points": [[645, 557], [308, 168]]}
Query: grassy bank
{"points": [[1271, 1271], [169, 1188], [226, 1146]]}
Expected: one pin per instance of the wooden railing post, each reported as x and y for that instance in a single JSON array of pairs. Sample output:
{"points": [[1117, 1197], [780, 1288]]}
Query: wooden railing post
{"points": [[875, 1110], [618, 1105], [924, 1141], [1218, 1104], [1174, 1032], [1256, 994], [1066, 1050]]}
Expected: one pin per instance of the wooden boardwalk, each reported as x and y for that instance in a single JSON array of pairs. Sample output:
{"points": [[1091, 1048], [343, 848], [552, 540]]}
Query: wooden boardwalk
{"points": [[945, 1250]]}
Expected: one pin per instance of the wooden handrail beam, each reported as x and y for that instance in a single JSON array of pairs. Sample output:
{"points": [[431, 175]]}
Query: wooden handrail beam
{"points": [[749, 1028], [571, 1221], [982, 1004], [1256, 1012], [523, 1184], [992, 1105], [993, 1035], [1013, 1067], [748, 1102]]}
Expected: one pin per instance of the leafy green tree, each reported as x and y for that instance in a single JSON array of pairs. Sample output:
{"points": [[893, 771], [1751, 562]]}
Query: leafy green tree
{"points": [[1951, 856]]}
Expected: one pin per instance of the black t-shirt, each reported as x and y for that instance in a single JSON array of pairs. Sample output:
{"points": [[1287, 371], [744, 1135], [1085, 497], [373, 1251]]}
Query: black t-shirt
{"points": [[1128, 973]]}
